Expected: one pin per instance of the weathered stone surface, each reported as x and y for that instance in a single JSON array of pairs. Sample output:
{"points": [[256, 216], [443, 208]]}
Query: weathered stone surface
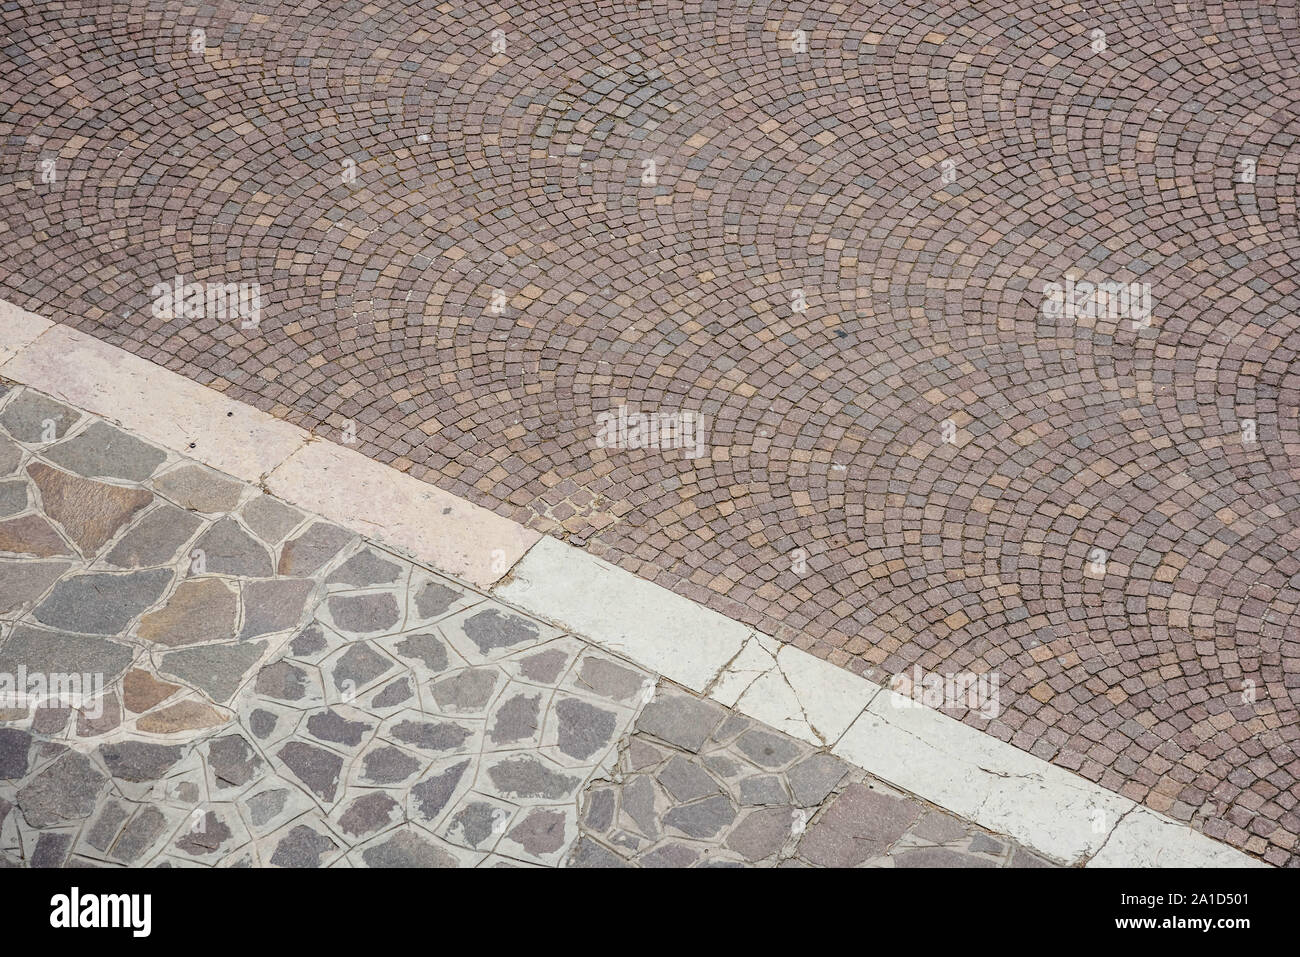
{"points": [[491, 629], [205, 838], [407, 849], [22, 583], [528, 777], [310, 551], [427, 649], [302, 847], [229, 550], [50, 652], [393, 694], [11, 456], [315, 767], [686, 780], [584, 729], [99, 716], [476, 822], [262, 723], [32, 535], [270, 519], [274, 605], [106, 826], [233, 761], [860, 823], [90, 512], [940, 827], [283, 681], [104, 451], [545, 666], [388, 765], [31, 417], [762, 833], [468, 690], [329, 725], [181, 716], [139, 760], [431, 735], [102, 603], [368, 814], [359, 666], [216, 670], [703, 818], [517, 719], [431, 795], [13, 497], [816, 776], [434, 599], [199, 610], [939, 857], [139, 835], [590, 854], [763, 789], [600, 810], [681, 720], [610, 680], [156, 537], [265, 805], [200, 489], [65, 791], [365, 568], [639, 804], [365, 614], [541, 832], [51, 849], [308, 641], [767, 749], [669, 856], [15, 744]]}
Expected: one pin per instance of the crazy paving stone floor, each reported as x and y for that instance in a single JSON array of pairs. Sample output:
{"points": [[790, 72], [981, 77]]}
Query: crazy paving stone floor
{"points": [[264, 688], [915, 176]]}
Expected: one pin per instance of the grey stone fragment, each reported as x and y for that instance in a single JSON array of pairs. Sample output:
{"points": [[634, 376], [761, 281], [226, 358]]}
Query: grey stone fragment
{"points": [[590, 854], [274, 605], [233, 761], [359, 666], [308, 553], [427, 649], [600, 810], [315, 767], [308, 641], [216, 670], [106, 826], [407, 849], [686, 781], [860, 823], [11, 456], [431, 735], [31, 417], [389, 765], [939, 857], [583, 728], [139, 760], [816, 776], [610, 680], [431, 795], [22, 583], [545, 666], [102, 451], [393, 694], [639, 803], [139, 835], [13, 497], [283, 681], [201, 489], [768, 750], [270, 519], [155, 538], [517, 719], [1021, 858], [368, 814], [669, 856], [469, 690], [102, 603], [983, 844], [204, 838], [491, 629], [365, 614], [940, 827], [734, 724], [703, 818], [262, 723], [761, 789], [528, 777], [365, 568], [265, 805], [51, 849], [681, 720], [229, 550], [64, 791], [475, 821], [541, 831], [15, 744], [762, 833], [434, 599], [49, 652], [302, 847], [329, 725]]}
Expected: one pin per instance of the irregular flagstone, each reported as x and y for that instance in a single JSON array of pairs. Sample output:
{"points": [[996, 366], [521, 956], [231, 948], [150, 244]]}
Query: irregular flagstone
{"points": [[138, 761], [686, 781], [100, 716], [65, 791], [32, 417], [431, 796], [517, 719], [11, 455], [13, 497], [427, 649], [233, 761], [182, 716], [141, 834], [681, 720], [107, 825], [329, 725], [101, 450], [431, 735], [15, 744], [313, 766], [229, 550], [49, 652], [588, 853], [467, 691], [200, 489], [859, 824], [51, 849], [90, 512], [435, 598], [102, 603], [583, 729], [22, 583], [32, 535], [270, 519], [283, 681], [359, 667], [388, 765], [528, 777], [200, 609], [545, 666], [274, 605], [364, 614], [492, 629], [762, 833], [406, 848], [216, 670], [541, 832], [610, 680], [307, 553], [302, 847], [369, 813], [155, 538], [141, 690], [702, 819], [365, 568]]}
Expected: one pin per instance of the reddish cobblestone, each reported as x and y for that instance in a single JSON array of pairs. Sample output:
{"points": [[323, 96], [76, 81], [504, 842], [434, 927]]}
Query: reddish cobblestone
{"points": [[777, 171]]}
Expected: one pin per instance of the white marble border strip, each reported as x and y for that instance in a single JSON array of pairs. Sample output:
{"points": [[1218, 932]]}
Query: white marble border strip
{"points": [[939, 759]]}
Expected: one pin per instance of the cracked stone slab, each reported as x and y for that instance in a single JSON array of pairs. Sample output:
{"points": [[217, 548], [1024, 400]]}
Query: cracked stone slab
{"points": [[1143, 838], [18, 330]]}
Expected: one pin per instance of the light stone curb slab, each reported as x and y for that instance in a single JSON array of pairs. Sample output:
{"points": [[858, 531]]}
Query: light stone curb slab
{"points": [[937, 758], [154, 403], [433, 526], [642, 621]]}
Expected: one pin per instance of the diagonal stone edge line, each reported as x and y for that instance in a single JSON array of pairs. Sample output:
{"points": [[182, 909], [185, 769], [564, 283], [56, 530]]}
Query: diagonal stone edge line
{"points": [[1049, 809]]}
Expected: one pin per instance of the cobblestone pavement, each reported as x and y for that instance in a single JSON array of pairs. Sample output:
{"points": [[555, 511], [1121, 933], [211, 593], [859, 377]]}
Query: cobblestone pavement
{"points": [[264, 688], [839, 256]]}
